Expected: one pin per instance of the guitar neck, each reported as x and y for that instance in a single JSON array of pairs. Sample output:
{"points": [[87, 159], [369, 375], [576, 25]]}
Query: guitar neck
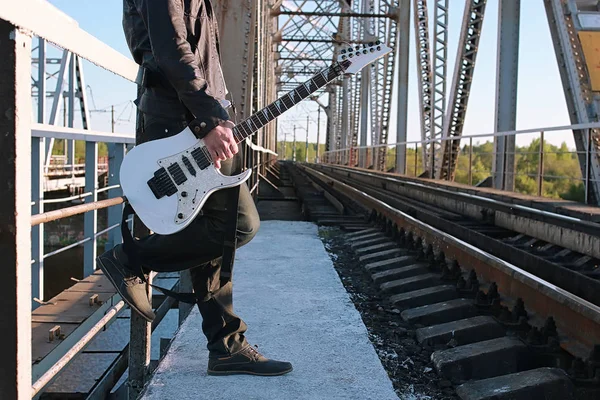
{"points": [[252, 124]]}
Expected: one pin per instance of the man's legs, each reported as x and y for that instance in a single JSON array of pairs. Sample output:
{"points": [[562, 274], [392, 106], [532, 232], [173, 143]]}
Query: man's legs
{"points": [[199, 248]]}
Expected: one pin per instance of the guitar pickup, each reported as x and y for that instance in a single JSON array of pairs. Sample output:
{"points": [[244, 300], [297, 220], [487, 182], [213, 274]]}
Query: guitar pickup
{"points": [[161, 184], [188, 165], [177, 173], [200, 158]]}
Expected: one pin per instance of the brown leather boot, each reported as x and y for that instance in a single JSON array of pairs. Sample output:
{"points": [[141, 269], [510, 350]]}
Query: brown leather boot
{"points": [[246, 361]]}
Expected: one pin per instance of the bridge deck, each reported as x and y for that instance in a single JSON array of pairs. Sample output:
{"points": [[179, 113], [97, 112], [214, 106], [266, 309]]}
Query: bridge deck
{"points": [[297, 309]]}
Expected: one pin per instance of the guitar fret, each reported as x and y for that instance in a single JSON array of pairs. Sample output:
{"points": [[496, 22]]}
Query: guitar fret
{"points": [[285, 102], [237, 135], [259, 120], [273, 116]]}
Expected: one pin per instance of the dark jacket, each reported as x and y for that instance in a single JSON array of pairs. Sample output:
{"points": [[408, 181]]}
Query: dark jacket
{"points": [[177, 42]]}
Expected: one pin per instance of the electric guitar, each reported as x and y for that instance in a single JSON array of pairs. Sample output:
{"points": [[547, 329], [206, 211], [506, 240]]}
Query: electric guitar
{"points": [[167, 181]]}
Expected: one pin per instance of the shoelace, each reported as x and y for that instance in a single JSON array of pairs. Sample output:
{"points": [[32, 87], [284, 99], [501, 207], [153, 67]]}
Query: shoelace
{"points": [[253, 353], [133, 280]]}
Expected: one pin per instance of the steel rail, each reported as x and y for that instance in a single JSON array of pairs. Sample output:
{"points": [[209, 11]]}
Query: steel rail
{"points": [[577, 318], [558, 219]]}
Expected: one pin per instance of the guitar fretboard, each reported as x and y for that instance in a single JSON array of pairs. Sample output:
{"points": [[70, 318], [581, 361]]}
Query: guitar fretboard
{"points": [[261, 118]]}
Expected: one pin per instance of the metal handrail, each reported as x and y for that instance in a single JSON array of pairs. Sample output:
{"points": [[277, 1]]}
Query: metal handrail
{"points": [[591, 125], [74, 210]]}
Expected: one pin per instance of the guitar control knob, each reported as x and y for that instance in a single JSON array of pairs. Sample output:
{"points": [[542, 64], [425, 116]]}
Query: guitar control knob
{"points": [[183, 194], [180, 215], [202, 124]]}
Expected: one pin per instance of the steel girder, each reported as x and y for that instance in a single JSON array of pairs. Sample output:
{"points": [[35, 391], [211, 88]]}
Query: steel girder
{"points": [[310, 35], [424, 72], [461, 86], [583, 104], [440, 57]]}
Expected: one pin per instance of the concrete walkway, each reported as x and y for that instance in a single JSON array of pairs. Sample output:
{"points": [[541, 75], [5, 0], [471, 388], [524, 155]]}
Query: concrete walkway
{"points": [[287, 291]]}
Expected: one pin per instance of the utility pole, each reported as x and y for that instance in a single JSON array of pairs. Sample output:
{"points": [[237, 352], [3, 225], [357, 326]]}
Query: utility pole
{"points": [[284, 146], [318, 133], [306, 152], [294, 146], [112, 118]]}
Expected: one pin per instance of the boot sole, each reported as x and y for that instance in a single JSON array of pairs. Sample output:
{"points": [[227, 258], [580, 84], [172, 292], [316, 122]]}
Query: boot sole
{"points": [[216, 373], [108, 275]]}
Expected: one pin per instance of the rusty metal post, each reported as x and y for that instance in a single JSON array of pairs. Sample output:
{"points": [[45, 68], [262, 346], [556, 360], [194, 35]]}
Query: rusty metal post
{"points": [[15, 212], [471, 161], [38, 156], [185, 286], [541, 165], [588, 168], [416, 155], [116, 154], [90, 219], [140, 335]]}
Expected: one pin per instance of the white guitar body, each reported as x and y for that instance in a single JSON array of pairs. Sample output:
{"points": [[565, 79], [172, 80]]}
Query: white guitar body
{"points": [[170, 214]]}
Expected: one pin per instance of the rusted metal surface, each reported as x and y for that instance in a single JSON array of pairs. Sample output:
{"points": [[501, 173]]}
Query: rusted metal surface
{"points": [[139, 350], [15, 210], [70, 211], [576, 318], [56, 368]]}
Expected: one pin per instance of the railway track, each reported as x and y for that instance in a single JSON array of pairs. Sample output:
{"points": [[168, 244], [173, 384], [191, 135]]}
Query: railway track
{"points": [[509, 315]]}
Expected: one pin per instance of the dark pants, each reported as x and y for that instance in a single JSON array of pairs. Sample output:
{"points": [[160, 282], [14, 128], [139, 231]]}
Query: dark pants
{"points": [[199, 247]]}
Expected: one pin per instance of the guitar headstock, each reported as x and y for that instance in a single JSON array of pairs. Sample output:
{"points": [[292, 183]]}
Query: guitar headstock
{"points": [[361, 56]]}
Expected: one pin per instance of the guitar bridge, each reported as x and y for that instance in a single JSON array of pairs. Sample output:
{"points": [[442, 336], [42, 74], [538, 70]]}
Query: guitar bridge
{"points": [[161, 184]]}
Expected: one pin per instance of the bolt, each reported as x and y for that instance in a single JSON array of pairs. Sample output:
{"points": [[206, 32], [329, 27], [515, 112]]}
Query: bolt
{"points": [[519, 309], [493, 291]]}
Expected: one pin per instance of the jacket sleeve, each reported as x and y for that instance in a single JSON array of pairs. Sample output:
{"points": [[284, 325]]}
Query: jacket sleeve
{"points": [[167, 32]]}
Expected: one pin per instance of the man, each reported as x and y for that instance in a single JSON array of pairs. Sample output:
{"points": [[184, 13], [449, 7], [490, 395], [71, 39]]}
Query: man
{"points": [[176, 44]]}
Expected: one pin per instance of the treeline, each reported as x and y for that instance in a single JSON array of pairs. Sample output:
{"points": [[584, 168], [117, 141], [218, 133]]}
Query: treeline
{"points": [[561, 170]]}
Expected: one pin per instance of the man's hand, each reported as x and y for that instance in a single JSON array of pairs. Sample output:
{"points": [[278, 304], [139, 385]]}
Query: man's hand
{"points": [[220, 143]]}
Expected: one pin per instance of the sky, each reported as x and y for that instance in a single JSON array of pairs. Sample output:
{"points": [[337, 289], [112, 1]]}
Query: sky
{"points": [[540, 97]]}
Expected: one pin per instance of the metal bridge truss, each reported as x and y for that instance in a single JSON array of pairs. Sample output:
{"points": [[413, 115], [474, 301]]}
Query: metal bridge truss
{"points": [[461, 86], [440, 57], [568, 19], [424, 72], [67, 73], [310, 35]]}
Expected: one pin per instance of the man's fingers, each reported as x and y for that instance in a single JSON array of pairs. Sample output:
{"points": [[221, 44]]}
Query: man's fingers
{"points": [[227, 152], [234, 148]]}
